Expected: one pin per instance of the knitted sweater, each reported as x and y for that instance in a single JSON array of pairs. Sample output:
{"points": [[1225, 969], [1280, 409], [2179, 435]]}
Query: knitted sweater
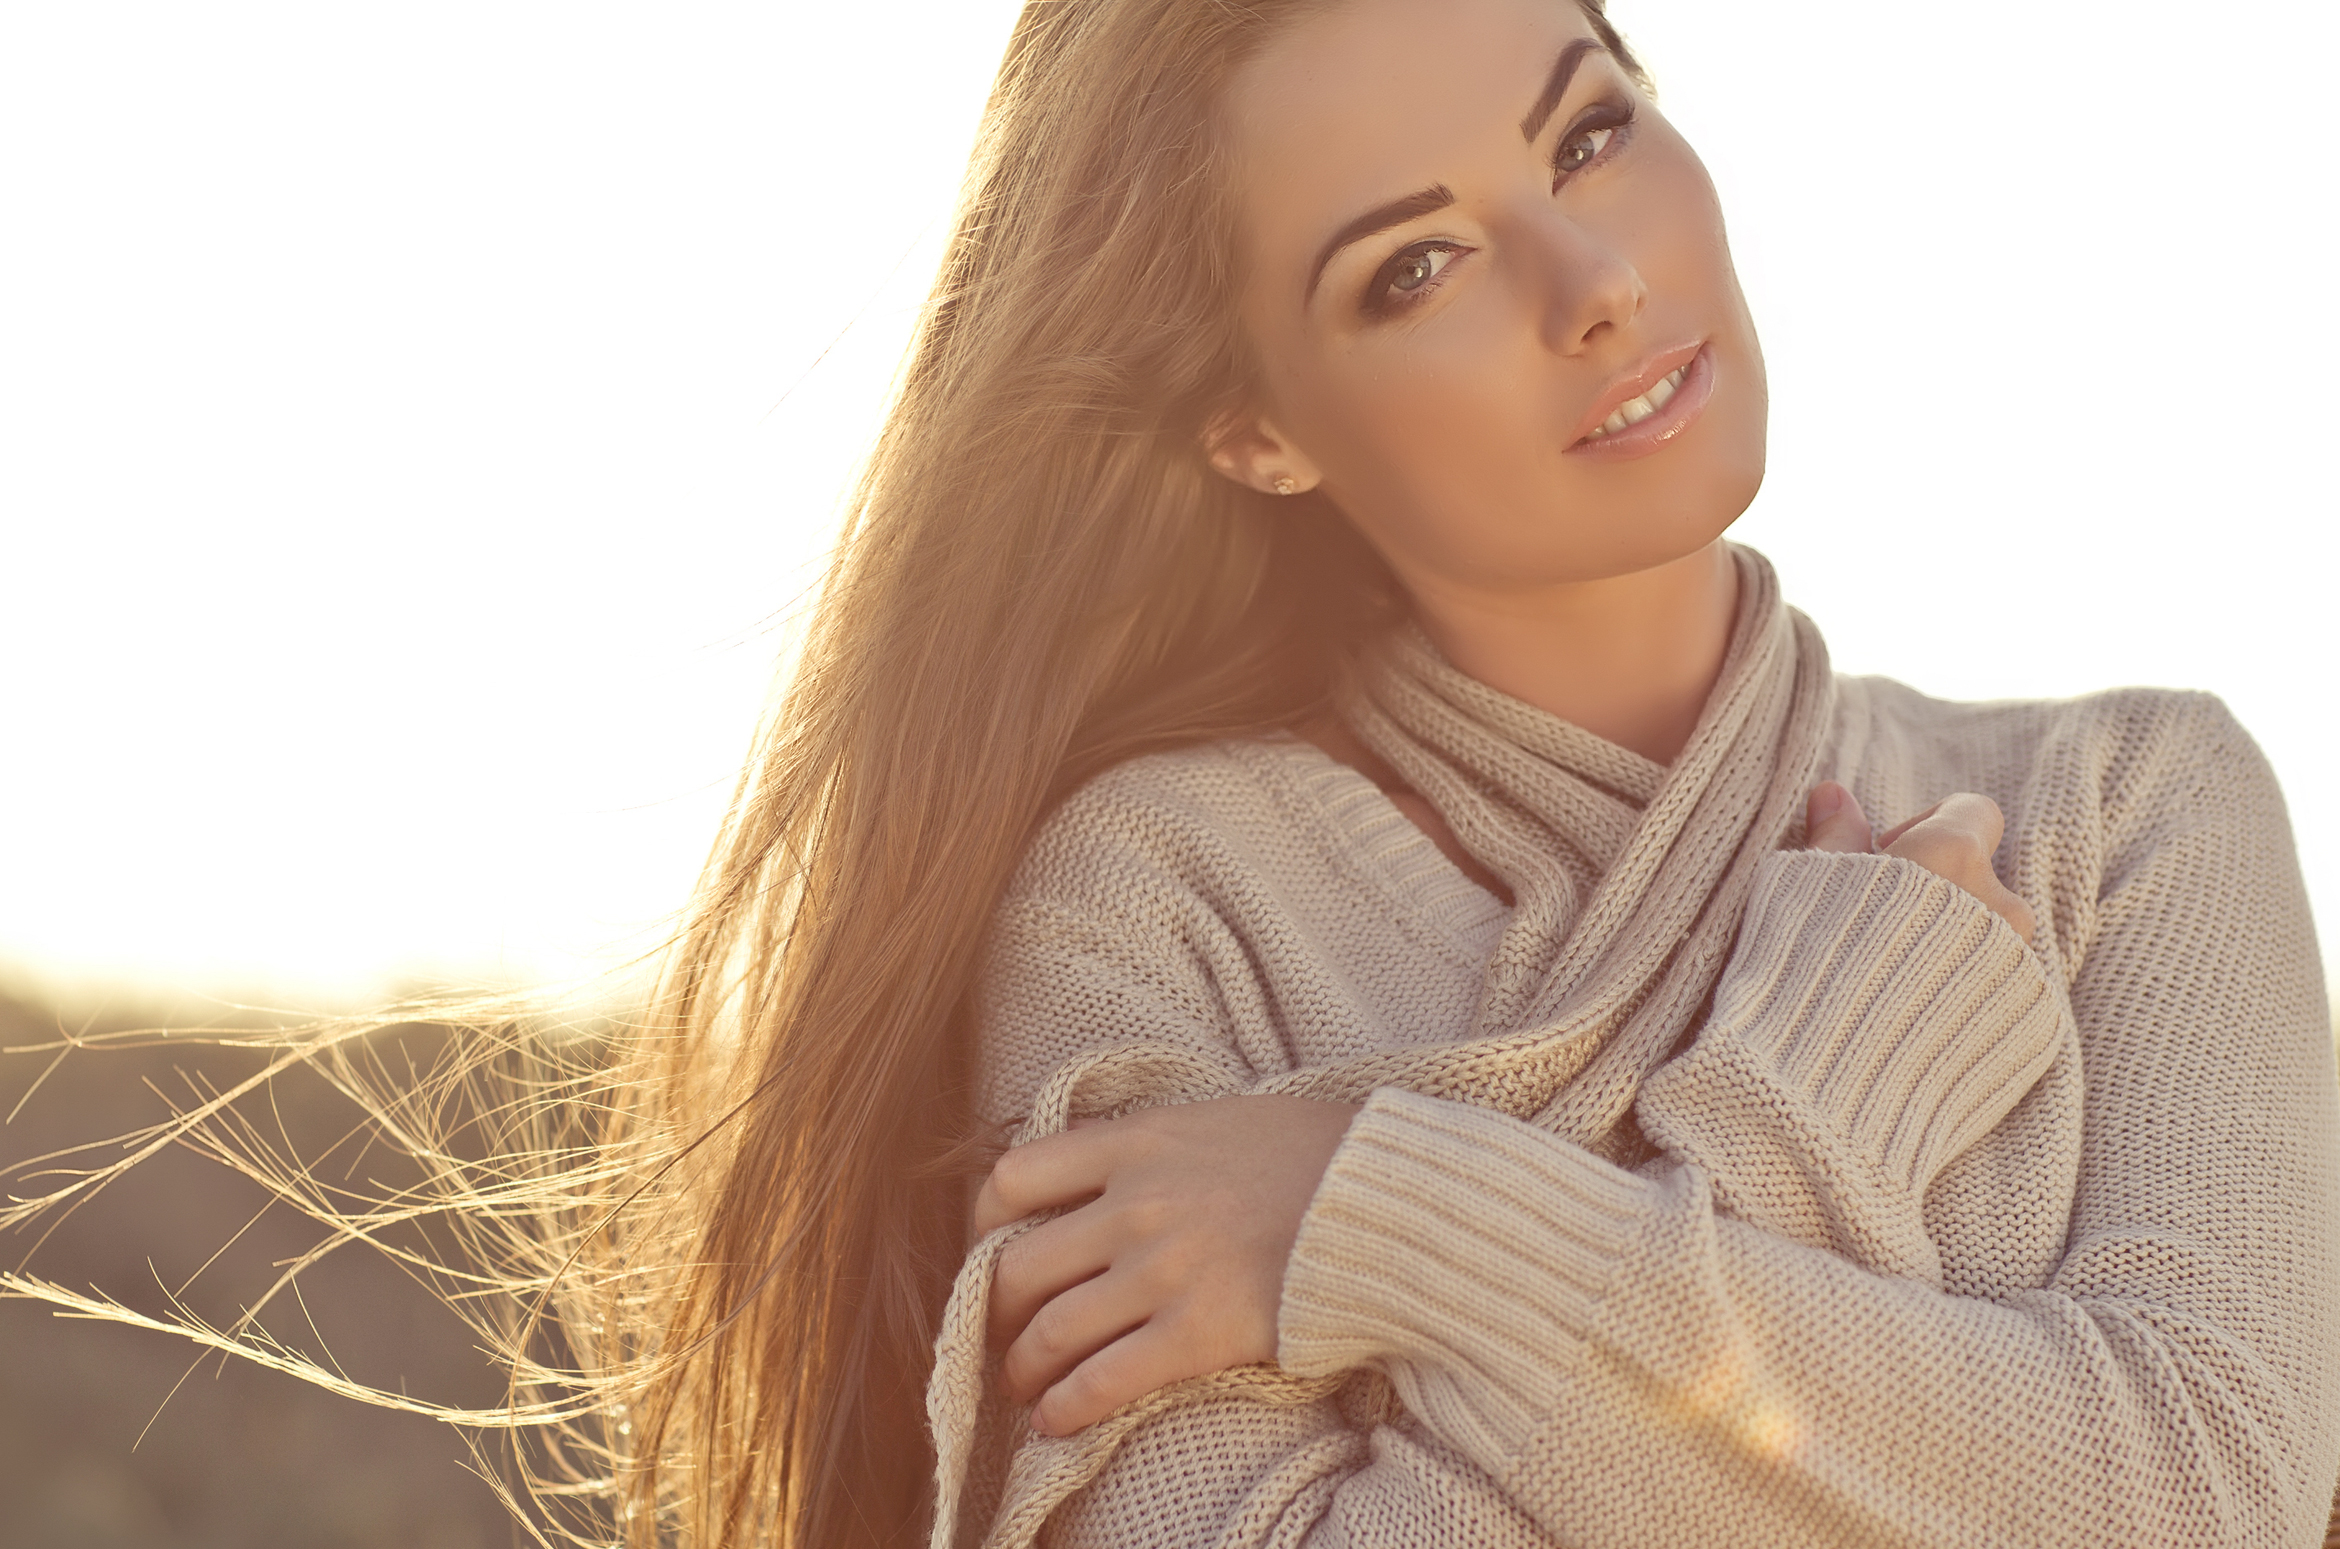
{"points": [[1722, 1192]]}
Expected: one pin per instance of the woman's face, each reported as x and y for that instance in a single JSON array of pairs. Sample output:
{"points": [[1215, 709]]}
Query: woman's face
{"points": [[1474, 253]]}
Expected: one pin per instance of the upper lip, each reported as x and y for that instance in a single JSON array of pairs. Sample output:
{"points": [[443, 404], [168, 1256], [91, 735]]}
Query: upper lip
{"points": [[1632, 384]]}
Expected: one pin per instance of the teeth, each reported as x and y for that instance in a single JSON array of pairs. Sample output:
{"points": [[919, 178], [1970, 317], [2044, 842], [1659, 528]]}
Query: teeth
{"points": [[1634, 410]]}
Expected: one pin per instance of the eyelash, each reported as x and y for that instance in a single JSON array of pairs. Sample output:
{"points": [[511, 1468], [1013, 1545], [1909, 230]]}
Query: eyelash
{"points": [[1615, 117]]}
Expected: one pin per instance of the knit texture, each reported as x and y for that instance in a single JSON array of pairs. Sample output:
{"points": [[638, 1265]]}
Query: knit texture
{"points": [[1720, 1191]]}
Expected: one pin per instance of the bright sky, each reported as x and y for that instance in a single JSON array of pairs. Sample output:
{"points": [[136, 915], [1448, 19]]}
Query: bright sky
{"points": [[414, 419]]}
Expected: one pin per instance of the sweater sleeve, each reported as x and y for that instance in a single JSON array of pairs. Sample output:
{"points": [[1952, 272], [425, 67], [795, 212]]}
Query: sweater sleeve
{"points": [[1875, 1021], [1628, 1363]]}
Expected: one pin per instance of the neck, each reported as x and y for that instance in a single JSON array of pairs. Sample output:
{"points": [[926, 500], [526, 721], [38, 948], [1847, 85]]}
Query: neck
{"points": [[1630, 658]]}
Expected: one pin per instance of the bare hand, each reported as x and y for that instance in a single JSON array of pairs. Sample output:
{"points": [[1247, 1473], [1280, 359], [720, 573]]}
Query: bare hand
{"points": [[1954, 839], [1173, 1266]]}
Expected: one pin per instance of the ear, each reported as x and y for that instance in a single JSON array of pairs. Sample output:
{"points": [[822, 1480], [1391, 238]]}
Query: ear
{"points": [[1248, 448]]}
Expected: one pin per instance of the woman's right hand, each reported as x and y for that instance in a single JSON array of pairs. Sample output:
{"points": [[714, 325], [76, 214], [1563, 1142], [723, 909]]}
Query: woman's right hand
{"points": [[1954, 839]]}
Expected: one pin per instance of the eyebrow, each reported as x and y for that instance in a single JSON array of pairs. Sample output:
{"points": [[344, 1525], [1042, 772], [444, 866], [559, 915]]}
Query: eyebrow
{"points": [[1380, 218], [1438, 196], [1556, 86]]}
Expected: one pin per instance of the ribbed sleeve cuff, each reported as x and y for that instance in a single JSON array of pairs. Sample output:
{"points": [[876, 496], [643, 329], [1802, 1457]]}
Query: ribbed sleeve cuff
{"points": [[1463, 1251], [1874, 1022]]}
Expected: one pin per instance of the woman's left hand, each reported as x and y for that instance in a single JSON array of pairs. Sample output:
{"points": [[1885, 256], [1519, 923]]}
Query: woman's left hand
{"points": [[1174, 1265]]}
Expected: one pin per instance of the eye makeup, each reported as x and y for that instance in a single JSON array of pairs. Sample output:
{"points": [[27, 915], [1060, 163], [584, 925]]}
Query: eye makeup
{"points": [[1596, 135], [1607, 124], [1411, 272]]}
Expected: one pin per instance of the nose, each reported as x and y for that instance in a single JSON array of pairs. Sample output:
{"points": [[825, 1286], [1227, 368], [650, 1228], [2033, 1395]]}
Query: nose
{"points": [[1590, 291]]}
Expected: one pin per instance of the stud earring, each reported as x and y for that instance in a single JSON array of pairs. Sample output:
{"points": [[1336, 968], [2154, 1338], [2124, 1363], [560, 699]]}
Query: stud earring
{"points": [[1287, 485]]}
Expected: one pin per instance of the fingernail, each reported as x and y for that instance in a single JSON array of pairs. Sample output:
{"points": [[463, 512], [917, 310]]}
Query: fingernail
{"points": [[1827, 801]]}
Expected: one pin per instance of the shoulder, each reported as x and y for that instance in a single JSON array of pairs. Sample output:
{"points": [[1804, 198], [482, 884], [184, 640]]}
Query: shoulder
{"points": [[2100, 790], [1161, 804], [2131, 753], [1168, 831], [1129, 918], [1256, 901], [2125, 808], [1151, 837], [2121, 713]]}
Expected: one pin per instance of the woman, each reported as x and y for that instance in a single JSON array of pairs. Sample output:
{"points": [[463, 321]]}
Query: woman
{"points": [[1700, 1191], [1285, 736]]}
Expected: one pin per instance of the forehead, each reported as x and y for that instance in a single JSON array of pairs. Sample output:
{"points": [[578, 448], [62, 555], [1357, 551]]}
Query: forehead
{"points": [[1370, 99]]}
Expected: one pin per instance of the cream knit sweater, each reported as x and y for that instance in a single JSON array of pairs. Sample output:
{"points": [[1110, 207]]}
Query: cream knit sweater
{"points": [[1721, 1192]]}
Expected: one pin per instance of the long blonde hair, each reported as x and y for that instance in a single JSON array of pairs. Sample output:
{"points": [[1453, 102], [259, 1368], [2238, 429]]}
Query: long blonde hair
{"points": [[721, 1246]]}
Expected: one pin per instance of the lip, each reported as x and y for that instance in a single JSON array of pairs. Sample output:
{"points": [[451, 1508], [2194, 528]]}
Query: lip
{"points": [[1660, 429]]}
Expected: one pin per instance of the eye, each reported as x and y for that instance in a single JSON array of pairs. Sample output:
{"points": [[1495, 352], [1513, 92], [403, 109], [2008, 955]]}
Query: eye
{"points": [[1595, 135], [1575, 152], [1419, 267], [1409, 273]]}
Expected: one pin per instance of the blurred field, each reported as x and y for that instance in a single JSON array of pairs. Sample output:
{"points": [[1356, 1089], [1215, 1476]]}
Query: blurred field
{"points": [[238, 1456]]}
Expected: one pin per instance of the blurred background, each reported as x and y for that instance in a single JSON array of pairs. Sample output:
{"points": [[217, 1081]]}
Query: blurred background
{"points": [[418, 423]]}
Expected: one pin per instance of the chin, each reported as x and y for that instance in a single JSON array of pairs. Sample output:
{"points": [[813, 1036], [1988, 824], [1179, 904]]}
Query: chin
{"points": [[1681, 514], [1715, 490], [1735, 490]]}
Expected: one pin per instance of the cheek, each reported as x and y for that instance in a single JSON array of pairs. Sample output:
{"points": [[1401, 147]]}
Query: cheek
{"points": [[1688, 253], [1448, 459], [1442, 407], [1669, 223]]}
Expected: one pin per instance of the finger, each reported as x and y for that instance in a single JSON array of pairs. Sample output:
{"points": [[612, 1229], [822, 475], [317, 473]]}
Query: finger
{"points": [[1975, 815], [1069, 1330], [1833, 820], [1041, 1264], [1121, 1373], [1042, 1174], [1966, 812], [1997, 897], [2009, 906], [1886, 840], [1954, 839]]}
